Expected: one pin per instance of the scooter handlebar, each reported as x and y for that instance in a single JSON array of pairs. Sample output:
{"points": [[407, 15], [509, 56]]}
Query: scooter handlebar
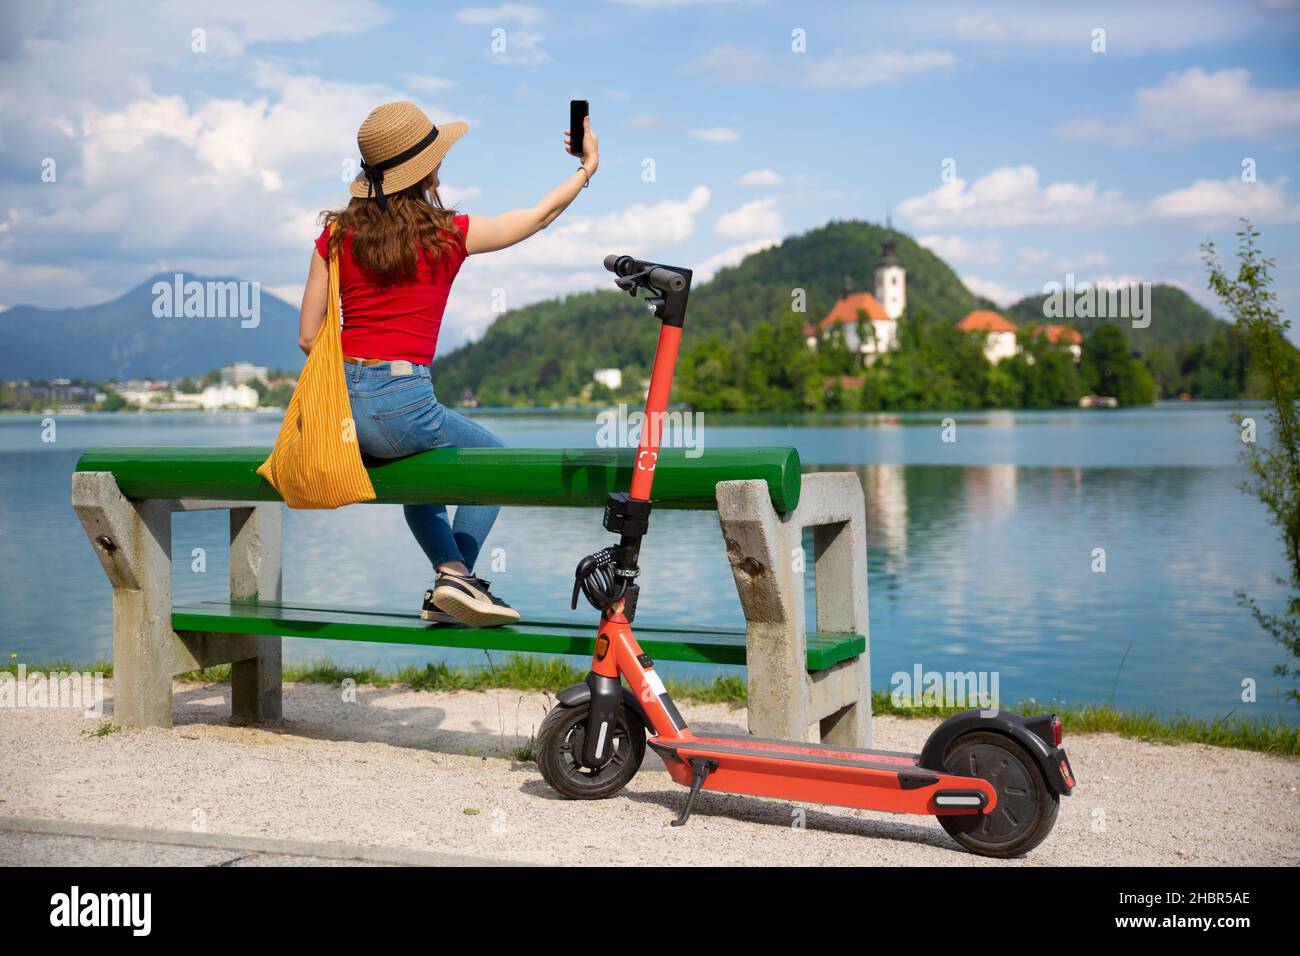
{"points": [[663, 279]]}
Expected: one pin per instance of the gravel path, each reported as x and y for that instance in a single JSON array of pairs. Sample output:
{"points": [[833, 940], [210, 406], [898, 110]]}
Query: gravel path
{"points": [[432, 772]]}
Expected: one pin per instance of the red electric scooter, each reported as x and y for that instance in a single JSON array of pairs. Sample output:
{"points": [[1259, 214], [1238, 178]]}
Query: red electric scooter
{"points": [[994, 782]]}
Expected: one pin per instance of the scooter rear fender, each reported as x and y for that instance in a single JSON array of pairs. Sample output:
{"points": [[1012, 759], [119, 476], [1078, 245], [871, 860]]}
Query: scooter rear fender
{"points": [[1051, 760]]}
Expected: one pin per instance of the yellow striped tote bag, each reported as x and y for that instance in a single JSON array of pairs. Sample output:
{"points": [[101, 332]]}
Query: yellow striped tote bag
{"points": [[316, 461]]}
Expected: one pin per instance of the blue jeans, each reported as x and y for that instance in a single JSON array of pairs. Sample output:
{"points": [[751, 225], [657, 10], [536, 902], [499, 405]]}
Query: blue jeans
{"points": [[397, 416]]}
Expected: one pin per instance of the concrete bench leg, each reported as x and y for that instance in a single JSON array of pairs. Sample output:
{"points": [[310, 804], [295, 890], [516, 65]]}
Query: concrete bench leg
{"points": [[765, 550], [255, 573], [133, 542]]}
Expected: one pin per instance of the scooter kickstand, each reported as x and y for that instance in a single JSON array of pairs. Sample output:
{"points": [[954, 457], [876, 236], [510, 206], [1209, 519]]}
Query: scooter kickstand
{"points": [[702, 768]]}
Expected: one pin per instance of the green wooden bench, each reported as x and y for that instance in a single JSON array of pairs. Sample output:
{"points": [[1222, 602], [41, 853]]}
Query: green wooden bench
{"points": [[698, 645], [125, 498]]}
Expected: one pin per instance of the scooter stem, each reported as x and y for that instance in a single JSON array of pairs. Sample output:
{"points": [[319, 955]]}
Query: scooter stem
{"points": [[656, 405]]}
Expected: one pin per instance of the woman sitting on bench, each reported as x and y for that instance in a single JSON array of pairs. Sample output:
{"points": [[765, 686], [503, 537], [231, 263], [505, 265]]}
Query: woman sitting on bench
{"points": [[399, 251]]}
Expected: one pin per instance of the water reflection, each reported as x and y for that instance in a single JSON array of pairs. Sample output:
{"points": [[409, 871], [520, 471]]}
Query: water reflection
{"points": [[983, 559]]}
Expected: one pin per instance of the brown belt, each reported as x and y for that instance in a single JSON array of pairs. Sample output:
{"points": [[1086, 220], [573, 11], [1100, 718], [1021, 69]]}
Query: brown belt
{"points": [[364, 361]]}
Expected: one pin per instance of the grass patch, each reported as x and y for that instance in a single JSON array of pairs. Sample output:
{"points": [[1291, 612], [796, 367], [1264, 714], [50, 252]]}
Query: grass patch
{"points": [[530, 672], [1265, 734], [57, 665], [525, 753]]}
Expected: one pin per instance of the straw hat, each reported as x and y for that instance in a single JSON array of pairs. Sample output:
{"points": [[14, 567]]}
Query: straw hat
{"points": [[399, 147]]}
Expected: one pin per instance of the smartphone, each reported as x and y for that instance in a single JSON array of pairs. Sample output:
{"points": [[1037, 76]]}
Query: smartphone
{"points": [[577, 113]]}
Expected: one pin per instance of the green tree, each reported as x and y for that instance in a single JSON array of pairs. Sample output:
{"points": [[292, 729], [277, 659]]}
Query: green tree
{"points": [[1003, 384], [277, 396], [1274, 470], [1109, 369], [705, 379], [780, 371]]}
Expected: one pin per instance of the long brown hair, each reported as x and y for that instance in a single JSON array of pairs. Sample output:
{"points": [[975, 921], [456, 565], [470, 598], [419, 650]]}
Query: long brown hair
{"points": [[387, 242]]}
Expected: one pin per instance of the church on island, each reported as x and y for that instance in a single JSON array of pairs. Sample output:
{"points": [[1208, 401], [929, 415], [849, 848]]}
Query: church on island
{"points": [[882, 310], [878, 315]]}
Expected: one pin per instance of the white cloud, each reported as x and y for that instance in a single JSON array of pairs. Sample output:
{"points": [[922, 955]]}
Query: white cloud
{"points": [[957, 249], [1012, 196], [581, 243], [1221, 104], [660, 4], [1117, 132], [290, 292], [758, 217], [428, 84], [1043, 261], [224, 184], [455, 195], [837, 70], [646, 121], [768, 178], [1031, 258], [1211, 202], [716, 134], [1197, 105], [1096, 259], [1050, 30], [521, 46], [880, 67], [730, 256], [1001, 295], [564, 258], [504, 13]]}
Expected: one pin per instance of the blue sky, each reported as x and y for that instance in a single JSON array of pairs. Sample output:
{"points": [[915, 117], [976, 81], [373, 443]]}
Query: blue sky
{"points": [[1060, 157]]}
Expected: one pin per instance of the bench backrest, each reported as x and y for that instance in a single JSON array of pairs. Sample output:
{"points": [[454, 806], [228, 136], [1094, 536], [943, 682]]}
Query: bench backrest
{"points": [[462, 476]]}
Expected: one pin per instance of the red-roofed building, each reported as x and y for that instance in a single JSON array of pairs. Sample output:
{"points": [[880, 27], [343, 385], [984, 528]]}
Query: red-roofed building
{"points": [[880, 312], [1062, 336], [882, 330], [999, 334]]}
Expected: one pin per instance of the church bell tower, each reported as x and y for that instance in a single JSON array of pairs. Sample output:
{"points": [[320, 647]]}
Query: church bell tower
{"points": [[891, 278]]}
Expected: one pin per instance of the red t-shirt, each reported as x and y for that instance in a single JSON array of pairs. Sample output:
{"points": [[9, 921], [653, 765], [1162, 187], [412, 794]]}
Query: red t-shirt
{"points": [[396, 320]]}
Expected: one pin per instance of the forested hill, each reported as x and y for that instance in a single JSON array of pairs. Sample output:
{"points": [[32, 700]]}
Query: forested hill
{"points": [[1177, 320], [545, 353]]}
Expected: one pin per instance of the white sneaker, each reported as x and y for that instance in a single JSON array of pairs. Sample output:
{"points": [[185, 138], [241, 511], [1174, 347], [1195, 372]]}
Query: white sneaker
{"points": [[431, 613], [467, 599]]}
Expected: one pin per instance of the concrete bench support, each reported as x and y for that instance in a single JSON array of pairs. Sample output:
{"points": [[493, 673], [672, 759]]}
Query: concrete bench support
{"points": [[765, 549], [133, 541]]}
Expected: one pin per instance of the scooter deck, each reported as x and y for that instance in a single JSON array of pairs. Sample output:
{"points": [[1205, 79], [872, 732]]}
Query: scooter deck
{"points": [[815, 773]]}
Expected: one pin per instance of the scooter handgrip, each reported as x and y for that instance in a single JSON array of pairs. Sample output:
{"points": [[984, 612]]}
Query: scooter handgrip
{"points": [[667, 280]]}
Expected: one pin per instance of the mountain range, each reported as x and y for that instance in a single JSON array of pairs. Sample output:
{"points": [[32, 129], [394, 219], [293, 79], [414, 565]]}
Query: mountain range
{"points": [[124, 338], [544, 352]]}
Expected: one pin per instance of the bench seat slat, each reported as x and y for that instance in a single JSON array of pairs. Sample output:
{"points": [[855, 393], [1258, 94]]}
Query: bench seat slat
{"points": [[697, 645], [553, 477]]}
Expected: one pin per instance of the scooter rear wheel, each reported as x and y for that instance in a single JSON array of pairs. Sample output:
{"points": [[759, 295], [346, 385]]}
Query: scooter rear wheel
{"points": [[559, 754], [1026, 807]]}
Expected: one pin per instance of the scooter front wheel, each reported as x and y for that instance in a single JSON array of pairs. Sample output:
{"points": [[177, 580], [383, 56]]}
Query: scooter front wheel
{"points": [[1026, 807], [559, 754]]}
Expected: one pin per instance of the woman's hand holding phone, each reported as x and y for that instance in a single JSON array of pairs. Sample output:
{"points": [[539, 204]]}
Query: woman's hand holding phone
{"points": [[590, 148]]}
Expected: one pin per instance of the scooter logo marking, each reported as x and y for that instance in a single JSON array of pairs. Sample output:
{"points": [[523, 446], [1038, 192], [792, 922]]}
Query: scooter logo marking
{"points": [[641, 460]]}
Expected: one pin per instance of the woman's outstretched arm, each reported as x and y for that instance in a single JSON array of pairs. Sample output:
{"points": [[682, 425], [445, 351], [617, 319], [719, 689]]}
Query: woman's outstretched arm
{"points": [[312, 314], [490, 233]]}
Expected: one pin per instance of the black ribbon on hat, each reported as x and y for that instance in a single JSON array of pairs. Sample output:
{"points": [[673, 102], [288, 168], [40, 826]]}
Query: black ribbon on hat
{"points": [[374, 172]]}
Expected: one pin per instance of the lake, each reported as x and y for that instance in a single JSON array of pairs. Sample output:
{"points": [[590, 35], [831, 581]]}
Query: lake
{"points": [[983, 551]]}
